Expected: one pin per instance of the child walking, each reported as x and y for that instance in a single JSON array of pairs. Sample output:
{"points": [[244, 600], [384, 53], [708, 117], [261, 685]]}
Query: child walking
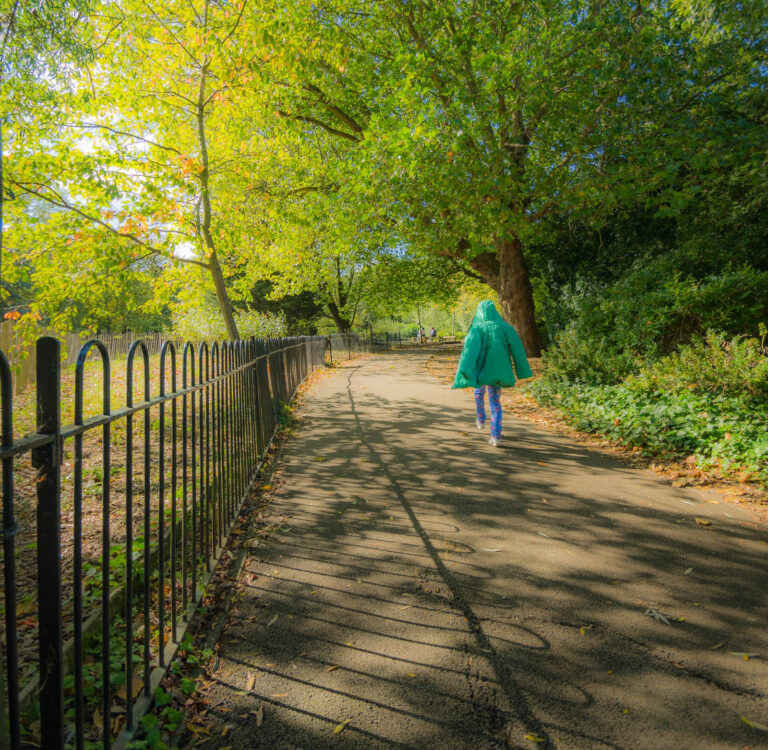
{"points": [[485, 363]]}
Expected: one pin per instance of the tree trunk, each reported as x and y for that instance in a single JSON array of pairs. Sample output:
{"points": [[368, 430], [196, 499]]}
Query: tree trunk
{"points": [[516, 294], [225, 305], [342, 323]]}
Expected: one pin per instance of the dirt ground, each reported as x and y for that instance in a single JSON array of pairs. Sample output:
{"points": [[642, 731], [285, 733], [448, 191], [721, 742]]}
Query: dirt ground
{"points": [[426, 590]]}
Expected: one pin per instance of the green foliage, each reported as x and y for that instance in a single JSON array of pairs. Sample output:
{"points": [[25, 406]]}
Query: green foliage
{"points": [[583, 358], [708, 398], [719, 428], [649, 313], [713, 364], [207, 324]]}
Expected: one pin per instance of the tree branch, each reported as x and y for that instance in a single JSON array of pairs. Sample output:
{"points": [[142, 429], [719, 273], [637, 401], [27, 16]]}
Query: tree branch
{"points": [[314, 121], [55, 199], [96, 126]]}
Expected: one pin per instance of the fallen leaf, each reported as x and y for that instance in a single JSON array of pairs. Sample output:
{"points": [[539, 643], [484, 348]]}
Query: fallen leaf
{"points": [[273, 620], [332, 668], [137, 687], [278, 695], [340, 727], [746, 655], [485, 549], [25, 608], [703, 522], [534, 738], [661, 617], [688, 572], [250, 681], [754, 724], [319, 458], [716, 646], [582, 631]]}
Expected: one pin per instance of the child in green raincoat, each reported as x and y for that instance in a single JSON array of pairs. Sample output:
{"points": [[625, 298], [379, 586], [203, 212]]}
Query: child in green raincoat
{"points": [[485, 363]]}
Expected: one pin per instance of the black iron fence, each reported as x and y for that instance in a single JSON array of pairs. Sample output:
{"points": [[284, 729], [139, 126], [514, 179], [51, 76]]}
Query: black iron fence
{"points": [[113, 523], [345, 344]]}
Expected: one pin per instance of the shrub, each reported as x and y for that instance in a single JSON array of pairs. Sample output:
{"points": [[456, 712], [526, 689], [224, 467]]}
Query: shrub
{"points": [[716, 427], [585, 359], [196, 324], [655, 308], [712, 363]]}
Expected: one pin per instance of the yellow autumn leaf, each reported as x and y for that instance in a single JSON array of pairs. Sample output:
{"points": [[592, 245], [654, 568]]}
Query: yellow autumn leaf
{"points": [[534, 738], [340, 727], [746, 655], [754, 724]]}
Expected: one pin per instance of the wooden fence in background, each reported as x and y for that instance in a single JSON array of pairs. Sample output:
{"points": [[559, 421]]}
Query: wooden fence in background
{"points": [[22, 359]]}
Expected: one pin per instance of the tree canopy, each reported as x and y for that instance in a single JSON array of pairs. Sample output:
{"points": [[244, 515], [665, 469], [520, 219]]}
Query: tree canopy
{"points": [[378, 151]]}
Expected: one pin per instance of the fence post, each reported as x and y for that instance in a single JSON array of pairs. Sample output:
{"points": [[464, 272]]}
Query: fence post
{"points": [[47, 460]]}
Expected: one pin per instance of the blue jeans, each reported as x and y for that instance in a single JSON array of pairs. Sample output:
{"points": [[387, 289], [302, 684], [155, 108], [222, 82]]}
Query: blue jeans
{"points": [[494, 399]]}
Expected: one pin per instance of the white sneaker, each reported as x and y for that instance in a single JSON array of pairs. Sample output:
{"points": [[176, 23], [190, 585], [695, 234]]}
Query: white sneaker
{"points": [[495, 442], [479, 424]]}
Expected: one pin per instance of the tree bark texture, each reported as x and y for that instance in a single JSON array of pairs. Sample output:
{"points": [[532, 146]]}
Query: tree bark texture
{"points": [[506, 272], [342, 323], [516, 294], [225, 305]]}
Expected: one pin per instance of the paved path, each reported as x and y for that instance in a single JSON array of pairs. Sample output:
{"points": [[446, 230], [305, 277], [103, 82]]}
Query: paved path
{"points": [[435, 592]]}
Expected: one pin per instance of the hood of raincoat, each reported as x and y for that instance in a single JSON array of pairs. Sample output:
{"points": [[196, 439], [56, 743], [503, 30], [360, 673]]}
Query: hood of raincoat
{"points": [[487, 313], [489, 349]]}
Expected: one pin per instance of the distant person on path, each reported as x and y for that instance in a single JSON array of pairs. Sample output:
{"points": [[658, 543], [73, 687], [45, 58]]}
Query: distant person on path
{"points": [[421, 334], [432, 333], [485, 361]]}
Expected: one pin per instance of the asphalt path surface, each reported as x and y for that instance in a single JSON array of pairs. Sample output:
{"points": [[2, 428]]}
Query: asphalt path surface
{"points": [[429, 591]]}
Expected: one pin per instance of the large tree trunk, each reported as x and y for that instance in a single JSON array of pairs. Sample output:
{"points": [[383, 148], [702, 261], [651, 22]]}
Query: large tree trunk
{"points": [[342, 323], [516, 294]]}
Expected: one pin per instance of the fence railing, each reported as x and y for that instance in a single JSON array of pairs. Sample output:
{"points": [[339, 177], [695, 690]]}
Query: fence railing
{"points": [[110, 536]]}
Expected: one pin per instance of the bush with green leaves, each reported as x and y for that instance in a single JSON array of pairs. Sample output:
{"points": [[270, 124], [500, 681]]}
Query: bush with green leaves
{"points": [[585, 358], [730, 430], [649, 313], [713, 363], [708, 398], [207, 324]]}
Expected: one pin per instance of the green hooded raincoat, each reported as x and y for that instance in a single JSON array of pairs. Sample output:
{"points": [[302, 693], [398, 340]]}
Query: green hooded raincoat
{"points": [[485, 357]]}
